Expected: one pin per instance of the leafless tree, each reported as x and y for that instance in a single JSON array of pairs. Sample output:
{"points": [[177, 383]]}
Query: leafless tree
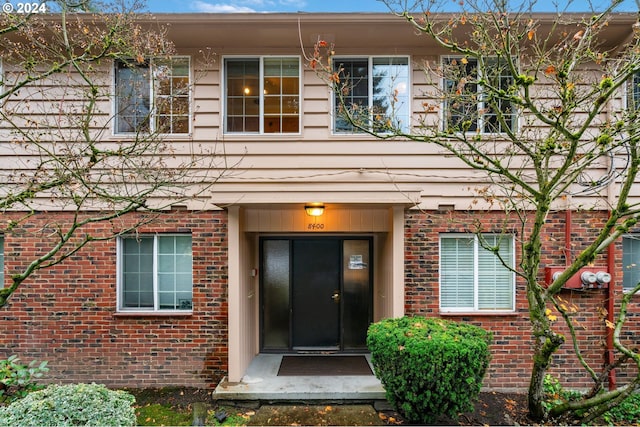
{"points": [[530, 102], [57, 114]]}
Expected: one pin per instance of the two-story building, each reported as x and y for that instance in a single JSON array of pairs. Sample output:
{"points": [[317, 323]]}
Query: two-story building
{"points": [[314, 232]]}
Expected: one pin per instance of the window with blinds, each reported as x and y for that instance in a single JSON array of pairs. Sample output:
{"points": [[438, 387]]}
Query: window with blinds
{"points": [[630, 261], [474, 278]]}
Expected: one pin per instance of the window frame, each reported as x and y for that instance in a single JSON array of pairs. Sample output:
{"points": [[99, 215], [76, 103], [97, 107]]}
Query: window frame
{"points": [[479, 123], [475, 308], [153, 114], [261, 105], [632, 98], [337, 60], [634, 237], [120, 308]]}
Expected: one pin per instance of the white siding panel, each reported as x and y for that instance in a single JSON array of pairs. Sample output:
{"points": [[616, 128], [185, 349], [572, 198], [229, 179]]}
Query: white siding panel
{"points": [[310, 120], [316, 92], [315, 164]]}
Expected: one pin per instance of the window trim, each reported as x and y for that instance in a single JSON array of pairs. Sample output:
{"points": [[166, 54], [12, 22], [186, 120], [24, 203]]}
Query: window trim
{"points": [[152, 97], [120, 309], [475, 309], [261, 59], [630, 103], [480, 125], [630, 236], [370, 59]]}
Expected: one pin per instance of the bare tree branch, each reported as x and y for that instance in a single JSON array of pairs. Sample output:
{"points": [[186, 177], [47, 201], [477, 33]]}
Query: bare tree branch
{"points": [[59, 152], [531, 103]]}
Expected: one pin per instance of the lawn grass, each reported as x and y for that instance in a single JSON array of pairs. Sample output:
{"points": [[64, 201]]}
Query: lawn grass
{"points": [[160, 415]]}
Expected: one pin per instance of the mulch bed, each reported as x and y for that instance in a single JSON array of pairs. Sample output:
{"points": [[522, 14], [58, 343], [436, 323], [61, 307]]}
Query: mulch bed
{"points": [[492, 408]]}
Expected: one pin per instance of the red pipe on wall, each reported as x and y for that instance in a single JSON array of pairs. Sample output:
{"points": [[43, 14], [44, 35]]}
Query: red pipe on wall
{"points": [[611, 265], [568, 257]]}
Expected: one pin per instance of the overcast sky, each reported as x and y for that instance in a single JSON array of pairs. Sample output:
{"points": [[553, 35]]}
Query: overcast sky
{"points": [[248, 6]]}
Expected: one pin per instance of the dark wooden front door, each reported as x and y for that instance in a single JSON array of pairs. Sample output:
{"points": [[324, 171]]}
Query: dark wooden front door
{"points": [[316, 293]]}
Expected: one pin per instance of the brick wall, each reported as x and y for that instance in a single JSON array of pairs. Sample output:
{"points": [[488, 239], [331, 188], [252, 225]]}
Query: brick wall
{"points": [[67, 314], [512, 346]]}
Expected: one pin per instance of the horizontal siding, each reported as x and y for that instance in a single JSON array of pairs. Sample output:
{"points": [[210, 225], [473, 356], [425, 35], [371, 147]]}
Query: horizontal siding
{"points": [[314, 164]]}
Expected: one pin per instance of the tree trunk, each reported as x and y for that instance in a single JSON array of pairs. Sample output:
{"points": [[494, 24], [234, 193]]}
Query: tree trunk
{"points": [[536, 390], [5, 293], [547, 344]]}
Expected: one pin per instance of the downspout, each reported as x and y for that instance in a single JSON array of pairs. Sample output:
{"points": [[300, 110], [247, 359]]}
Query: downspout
{"points": [[610, 304], [609, 358], [568, 227]]}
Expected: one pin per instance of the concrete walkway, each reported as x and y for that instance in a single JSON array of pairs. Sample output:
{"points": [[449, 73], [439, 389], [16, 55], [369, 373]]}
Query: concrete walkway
{"points": [[261, 383]]}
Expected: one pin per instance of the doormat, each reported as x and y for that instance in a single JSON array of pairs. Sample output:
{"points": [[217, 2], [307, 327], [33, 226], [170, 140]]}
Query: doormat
{"points": [[324, 366]]}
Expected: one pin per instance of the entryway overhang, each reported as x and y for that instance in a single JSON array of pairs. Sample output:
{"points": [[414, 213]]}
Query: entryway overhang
{"points": [[247, 223]]}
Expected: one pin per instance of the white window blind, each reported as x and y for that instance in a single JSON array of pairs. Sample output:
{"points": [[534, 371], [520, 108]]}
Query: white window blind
{"points": [[474, 278]]}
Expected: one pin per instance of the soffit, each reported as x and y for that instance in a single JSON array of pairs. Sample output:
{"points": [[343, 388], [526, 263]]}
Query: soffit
{"points": [[346, 30], [287, 30]]}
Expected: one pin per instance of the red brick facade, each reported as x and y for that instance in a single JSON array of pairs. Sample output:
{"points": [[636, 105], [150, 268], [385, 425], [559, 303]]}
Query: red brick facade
{"points": [[512, 348], [67, 314]]}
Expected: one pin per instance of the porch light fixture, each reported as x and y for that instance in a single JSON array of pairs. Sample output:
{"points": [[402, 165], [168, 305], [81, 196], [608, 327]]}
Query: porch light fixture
{"points": [[314, 209]]}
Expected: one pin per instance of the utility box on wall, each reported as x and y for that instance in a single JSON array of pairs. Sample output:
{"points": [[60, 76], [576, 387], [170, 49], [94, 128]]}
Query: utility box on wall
{"points": [[586, 278]]}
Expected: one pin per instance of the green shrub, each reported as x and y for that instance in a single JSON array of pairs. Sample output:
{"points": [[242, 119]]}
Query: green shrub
{"points": [[17, 379], [626, 413], [71, 405], [428, 366], [555, 394]]}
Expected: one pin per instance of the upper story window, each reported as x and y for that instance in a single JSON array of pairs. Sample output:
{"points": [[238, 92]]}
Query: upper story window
{"points": [[473, 278], [155, 273], [630, 261], [380, 85], [469, 107], [633, 93], [262, 95], [152, 96]]}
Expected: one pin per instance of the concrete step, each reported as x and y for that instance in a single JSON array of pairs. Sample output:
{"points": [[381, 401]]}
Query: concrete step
{"points": [[262, 383]]}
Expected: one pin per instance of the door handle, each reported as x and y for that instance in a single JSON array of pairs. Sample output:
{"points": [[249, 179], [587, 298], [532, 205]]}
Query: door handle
{"points": [[336, 296]]}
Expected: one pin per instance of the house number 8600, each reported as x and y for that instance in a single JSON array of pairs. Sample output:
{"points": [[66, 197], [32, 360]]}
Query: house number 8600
{"points": [[315, 226]]}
